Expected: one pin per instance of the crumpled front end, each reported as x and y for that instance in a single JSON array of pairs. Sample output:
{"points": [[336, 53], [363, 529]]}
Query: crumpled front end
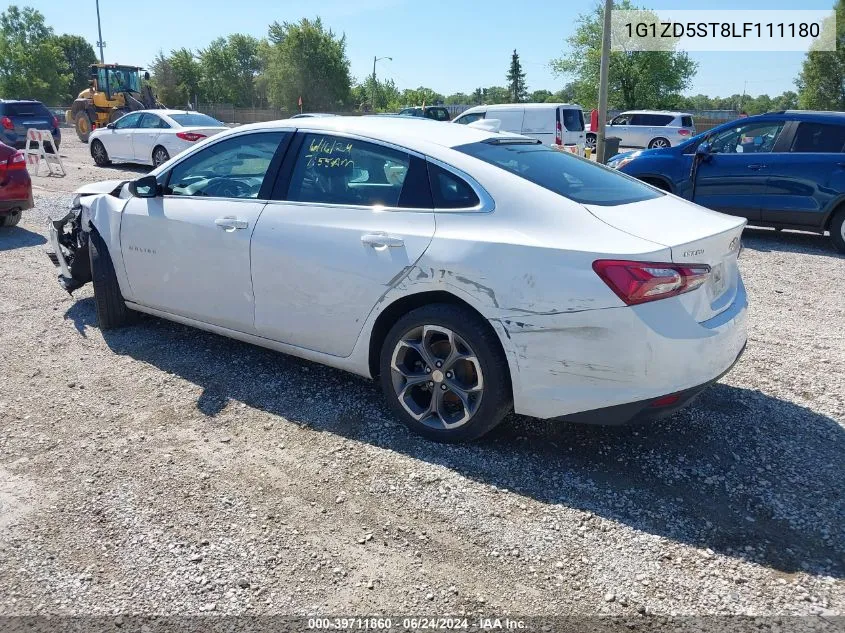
{"points": [[69, 236]]}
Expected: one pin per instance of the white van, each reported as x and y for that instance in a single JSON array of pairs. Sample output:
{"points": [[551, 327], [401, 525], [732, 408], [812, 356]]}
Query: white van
{"points": [[552, 123]]}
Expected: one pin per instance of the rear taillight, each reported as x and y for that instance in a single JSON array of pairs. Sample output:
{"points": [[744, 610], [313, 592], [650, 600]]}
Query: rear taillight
{"points": [[639, 282], [16, 161], [6, 122], [190, 136], [683, 132], [55, 121], [558, 134]]}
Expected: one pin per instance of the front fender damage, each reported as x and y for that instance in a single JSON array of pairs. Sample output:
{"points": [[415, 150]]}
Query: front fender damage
{"points": [[69, 235]]}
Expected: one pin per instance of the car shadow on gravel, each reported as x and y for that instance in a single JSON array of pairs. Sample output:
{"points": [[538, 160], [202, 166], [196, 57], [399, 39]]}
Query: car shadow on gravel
{"points": [[16, 237], [740, 472], [767, 240]]}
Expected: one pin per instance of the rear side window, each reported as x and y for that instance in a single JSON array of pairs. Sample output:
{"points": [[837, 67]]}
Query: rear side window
{"points": [[449, 190], [195, 119], [573, 120], [335, 170], [820, 138], [686, 121], [438, 114], [469, 118], [571, 177], [654, 119]]}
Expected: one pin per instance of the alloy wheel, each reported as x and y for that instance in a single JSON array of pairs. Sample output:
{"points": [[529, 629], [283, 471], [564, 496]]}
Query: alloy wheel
{"points": [[99, 153], [160, 157], [437, 377], [659, 143]]}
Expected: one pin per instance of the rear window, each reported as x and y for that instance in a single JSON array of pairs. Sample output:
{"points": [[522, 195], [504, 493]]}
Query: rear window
{"points": [[819, 138], [195, 119], [24, 109], [563, 173], [686, 121], [573, 120]]}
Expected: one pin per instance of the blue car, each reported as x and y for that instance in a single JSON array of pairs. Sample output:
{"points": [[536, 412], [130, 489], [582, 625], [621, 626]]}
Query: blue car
{"points": [[17, 116], [781, 169]]}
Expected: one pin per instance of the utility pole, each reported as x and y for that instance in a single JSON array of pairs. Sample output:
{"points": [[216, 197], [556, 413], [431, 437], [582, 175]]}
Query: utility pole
{"points": [[101, 44], [605, 63], [373, 91]]}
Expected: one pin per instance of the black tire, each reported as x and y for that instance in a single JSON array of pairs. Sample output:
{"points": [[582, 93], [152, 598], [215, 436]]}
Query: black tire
{"points": [[160, 156], [99, 154], [111, 309], [837, 230], [83, 126], [591, 142], [659, 142], [495, 399], [12, 219]]}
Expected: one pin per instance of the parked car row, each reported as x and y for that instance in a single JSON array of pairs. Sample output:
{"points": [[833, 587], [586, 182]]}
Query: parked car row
{"points": [[781, 169], [647, 128]]}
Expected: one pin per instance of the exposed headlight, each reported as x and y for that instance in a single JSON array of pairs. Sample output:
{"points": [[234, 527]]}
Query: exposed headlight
{"points": [[620, 162]]}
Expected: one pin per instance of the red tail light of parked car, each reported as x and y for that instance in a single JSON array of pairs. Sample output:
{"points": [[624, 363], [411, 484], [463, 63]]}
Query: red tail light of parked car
{"points": [[639, 282], [6, 122], [190, 136]]}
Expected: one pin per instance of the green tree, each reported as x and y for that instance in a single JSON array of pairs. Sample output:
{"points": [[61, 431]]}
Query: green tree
{"points": [[458, 98], [477, 96], [421, 96], [787, 101], [516, 80], [821, 84], [637, 79], [540, 96], [33, 64], [165, 83], [187, 74], [387, 95], [245, 66], [309, 61], [79, 55], [496, 94]]}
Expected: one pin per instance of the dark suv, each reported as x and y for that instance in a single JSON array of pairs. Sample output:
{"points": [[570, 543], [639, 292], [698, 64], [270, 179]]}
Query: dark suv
{"points": [[17, 116], [438, 113], [781, 169]]}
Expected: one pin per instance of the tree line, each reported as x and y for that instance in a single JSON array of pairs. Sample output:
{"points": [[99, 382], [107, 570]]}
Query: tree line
{"points": [[307, 59]]}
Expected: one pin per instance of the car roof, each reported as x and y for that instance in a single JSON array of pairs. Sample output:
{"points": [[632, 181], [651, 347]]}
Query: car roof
{"points": [[401, 130], [527, 106], [673, 113], [20, 101]]}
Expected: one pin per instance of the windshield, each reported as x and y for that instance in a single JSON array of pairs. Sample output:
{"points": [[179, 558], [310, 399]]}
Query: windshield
{"points": [[194, 119], [123, 79], [565, 174]]}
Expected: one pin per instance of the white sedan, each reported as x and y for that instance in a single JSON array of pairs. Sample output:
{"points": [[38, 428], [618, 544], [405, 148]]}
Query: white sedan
{"points": [[151, 137], [471, 272]]}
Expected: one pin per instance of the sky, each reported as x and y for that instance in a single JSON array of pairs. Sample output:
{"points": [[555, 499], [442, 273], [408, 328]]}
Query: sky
{"points": [[447, 45]]}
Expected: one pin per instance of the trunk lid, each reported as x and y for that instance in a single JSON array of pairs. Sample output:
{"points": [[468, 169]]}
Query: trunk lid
{"points": [[694, 235], [207, 131]]}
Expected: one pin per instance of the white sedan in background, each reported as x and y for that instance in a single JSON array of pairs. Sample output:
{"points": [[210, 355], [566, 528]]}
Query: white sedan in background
{"points": [[151, 137], [472, 272]]}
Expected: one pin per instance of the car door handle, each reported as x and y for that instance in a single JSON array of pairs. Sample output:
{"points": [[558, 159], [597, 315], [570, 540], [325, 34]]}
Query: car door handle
{"points": [[231, 224], [382, 240], [757, 166]]}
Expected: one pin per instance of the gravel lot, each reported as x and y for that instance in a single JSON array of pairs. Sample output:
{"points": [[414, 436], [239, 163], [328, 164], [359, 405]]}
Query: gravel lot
{"points": [[159, 469]]}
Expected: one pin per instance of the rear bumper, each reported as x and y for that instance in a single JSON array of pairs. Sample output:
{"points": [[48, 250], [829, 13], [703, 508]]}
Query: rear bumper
{"points": [[618, 361], [644, 410]]}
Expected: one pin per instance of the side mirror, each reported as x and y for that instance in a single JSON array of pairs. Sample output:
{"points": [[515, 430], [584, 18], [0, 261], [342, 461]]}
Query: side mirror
{"points": [[146, 187], [110, 126], [703, 151]]}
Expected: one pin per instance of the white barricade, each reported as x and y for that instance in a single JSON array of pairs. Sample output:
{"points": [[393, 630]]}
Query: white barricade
{"points": [[37, 155]]}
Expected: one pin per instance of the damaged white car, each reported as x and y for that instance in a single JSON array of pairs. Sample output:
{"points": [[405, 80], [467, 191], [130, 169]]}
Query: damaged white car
{"points": [[471, 272]]}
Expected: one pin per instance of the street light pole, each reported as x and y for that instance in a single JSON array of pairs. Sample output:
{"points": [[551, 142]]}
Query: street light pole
{"points": [[373, 91], [101, 44], [603, 72]]}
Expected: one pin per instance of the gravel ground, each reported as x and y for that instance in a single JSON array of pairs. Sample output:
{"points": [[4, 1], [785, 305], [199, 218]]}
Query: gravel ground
{"points": [[160, 469]]}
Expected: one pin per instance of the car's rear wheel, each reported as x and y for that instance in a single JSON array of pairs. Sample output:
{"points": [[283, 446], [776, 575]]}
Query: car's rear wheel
{"points": [[444, 373], [659, 143], [99, 153], [160, 156], [12, 219], [111, 308], [591, 142], [837, 230]]}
